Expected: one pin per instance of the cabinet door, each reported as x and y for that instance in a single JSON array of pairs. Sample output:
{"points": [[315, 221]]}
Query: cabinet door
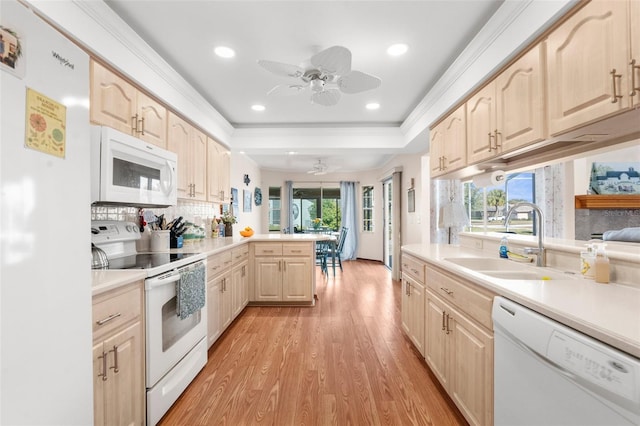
{"points": [[471, 369], [268, 279], [413, 311], [178, 141], [521, 101], [153, 121], [581, 55], [214, 326], [98, 385], [296, 280], [113, 100], [125, 378], [634, 9], [481, 125], [436, 150], [244, 286], [238, 288], [224, 178], [455, 140], [225, 301], [213, 186], [199, 164], [435, 352]]}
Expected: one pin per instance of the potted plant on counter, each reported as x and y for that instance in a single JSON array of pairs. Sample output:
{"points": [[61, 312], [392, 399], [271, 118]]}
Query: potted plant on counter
{"points": [[228, 219]]}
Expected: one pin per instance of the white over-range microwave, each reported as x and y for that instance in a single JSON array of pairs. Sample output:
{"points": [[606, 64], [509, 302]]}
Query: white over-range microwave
{"points": [[128, 171]]}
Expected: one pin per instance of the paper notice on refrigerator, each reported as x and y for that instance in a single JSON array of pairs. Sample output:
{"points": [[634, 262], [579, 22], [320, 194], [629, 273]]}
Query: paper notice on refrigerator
{"points": [[46, 122]]}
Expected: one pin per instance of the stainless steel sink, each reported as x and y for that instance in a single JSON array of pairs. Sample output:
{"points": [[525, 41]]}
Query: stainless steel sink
{"points": [[487, 264], [529, 275], [509, 270]]}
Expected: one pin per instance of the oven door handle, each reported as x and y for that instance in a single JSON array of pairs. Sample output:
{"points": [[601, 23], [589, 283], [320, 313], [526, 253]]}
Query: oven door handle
{"points": [[162, 280]]}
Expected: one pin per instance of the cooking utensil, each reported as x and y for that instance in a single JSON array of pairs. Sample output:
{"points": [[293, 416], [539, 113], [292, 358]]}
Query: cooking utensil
{"points": [[99, 258]]}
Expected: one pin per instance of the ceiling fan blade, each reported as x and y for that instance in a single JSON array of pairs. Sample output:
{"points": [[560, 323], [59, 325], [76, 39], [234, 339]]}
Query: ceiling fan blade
{"points": [[286, 89], [357, 81], [334, 60], [286, 70], [326, 97]]}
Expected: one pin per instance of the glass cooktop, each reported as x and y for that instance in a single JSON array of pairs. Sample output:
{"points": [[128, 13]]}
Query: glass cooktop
{"points": [[147, 260]]}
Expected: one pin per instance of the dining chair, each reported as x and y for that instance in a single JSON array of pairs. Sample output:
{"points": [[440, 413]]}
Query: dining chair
{"points": [[339, 244], [322, 251]]}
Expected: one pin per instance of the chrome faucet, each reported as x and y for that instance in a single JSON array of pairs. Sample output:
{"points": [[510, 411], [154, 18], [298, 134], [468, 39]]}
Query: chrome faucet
{"points": [[539, 252]]}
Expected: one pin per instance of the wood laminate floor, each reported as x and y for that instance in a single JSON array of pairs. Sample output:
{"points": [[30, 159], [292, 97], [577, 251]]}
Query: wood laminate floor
{"points": [[345, 361]]}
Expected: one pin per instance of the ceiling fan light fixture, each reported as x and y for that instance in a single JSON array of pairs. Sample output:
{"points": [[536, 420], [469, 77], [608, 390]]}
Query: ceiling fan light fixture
{"points": [[397, 49], [258, 107], [317, 85], [372, 106], [224, 52]]}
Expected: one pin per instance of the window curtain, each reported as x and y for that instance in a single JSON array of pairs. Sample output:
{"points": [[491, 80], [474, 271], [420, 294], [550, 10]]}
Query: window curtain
{"points": [[289, 188], [349, 219]]}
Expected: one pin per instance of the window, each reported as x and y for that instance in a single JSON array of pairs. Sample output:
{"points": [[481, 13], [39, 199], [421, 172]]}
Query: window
{"points": [[311, 203], [367, 208], [487, 207], [275, 207]]}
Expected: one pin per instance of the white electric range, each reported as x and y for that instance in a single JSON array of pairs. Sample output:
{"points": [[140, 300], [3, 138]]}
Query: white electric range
{"points": [[176, 349]]}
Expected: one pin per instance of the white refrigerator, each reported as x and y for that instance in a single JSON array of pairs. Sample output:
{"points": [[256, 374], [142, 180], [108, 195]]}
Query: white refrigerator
{"points": [[45, 272]]}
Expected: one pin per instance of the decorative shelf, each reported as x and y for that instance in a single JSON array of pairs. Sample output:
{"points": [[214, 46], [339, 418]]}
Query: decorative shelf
{"points": [[608, 201]]}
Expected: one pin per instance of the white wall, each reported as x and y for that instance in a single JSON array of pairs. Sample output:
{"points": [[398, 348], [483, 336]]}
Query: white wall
{"points": [[241, 165]]}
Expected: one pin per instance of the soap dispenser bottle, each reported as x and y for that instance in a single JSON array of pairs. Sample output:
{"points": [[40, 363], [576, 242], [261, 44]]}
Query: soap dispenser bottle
{"points": [[504, 248], [602, 265]]}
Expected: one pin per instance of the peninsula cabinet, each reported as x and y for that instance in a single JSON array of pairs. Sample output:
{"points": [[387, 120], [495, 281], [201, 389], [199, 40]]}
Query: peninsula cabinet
{"points": [[588, 70], [190, 145], [118, 104], [508, 113], [283, 272], [413, 300], [448, 144], [459, 343], [118, 357], [218, 169]]}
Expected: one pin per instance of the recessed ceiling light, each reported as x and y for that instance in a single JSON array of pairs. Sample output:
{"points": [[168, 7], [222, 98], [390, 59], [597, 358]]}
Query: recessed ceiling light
{"points": [[292, 152], [372, 105], [257, 107], [397, 49], [224, 52]]}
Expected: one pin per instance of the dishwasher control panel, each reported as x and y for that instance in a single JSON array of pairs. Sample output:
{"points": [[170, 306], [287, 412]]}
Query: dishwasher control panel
{"points": [[594, 364]]}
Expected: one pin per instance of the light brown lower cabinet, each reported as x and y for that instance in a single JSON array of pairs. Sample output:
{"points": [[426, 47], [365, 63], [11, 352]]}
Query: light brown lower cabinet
{"points": [[458, 344], [118, 357]]}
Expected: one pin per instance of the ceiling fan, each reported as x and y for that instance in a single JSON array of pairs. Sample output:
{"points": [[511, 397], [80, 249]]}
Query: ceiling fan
{"points": [[328, 75], [319, 168]]}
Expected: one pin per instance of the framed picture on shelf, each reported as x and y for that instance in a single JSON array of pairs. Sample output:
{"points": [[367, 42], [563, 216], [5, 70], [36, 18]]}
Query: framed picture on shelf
{"points": [[615, 178], [246, 205]]}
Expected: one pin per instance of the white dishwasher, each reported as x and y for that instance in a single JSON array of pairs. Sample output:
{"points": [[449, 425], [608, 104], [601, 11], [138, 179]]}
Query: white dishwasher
{"points": [[546, 373]]}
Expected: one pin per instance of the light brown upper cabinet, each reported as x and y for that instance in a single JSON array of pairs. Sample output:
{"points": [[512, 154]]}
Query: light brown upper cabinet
{"points": [[588, 65], [118, 104], [190, 145], [508, 113], [448, 144], [218, 168], [634, 63]]}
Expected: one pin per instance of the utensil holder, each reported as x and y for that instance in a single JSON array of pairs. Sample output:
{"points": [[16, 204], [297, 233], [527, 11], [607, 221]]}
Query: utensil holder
{"points": [[160, 241]]}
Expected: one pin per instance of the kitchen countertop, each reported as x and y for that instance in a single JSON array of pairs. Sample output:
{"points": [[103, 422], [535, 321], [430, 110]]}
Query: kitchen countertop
{"points": [[607, 312], [105, 280]]}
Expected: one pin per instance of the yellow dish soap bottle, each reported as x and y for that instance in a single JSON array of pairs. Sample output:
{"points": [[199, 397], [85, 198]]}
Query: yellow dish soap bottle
{"points": [[602, 265]]}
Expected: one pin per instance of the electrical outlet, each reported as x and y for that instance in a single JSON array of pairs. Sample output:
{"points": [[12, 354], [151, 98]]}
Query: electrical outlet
{"points": [[478, 244]]}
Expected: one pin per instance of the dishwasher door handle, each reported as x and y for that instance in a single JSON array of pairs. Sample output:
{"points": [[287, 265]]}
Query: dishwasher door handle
{"points": [[568, 374]]}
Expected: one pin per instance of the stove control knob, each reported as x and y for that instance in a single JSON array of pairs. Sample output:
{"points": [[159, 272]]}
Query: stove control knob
{"points": [[129, 228]]}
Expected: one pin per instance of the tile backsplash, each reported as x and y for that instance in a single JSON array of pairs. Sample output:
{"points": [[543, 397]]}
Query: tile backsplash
{"points": [[598, 221], [195, 212]]}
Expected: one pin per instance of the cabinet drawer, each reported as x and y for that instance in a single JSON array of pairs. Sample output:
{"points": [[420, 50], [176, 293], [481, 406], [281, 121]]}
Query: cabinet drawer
{"points": [[239, 254], [217, 263], [116, 308], [268, 249], [295, 249], [474, 301], [413, 267]]}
